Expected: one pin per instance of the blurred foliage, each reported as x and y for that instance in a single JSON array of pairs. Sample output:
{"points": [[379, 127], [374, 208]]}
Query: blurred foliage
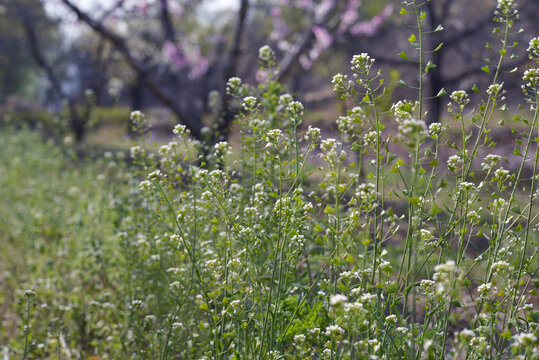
{"points": [[18, 71]]}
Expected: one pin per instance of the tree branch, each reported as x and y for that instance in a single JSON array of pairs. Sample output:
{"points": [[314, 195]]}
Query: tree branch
{"points": [[301, 46], [35, 50], [193, 123], [231, 68], [166, 23]]}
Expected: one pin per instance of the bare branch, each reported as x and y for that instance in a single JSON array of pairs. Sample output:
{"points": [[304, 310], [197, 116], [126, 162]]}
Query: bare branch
{"points": [[193, 123], [35, 50], [231, 68], [109, 12], [303, 44], [166, 22]]}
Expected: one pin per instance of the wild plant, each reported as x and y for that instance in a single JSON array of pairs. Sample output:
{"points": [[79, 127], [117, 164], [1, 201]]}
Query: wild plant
{"points": [[295, 246], [283, 243]]}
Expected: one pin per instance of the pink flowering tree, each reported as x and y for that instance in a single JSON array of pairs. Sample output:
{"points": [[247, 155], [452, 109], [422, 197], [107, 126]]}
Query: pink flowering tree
{"points": [[180, 58]]}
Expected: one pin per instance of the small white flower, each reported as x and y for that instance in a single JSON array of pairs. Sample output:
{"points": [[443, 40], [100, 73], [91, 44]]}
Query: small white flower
{"points": [[337, 300]]}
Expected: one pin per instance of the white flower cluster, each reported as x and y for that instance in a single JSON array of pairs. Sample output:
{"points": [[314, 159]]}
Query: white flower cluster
{"points": [[345, 124], [138, 119], [180, 130], [531, 80], [341, 83], [533, 48], [312, 134], [454, 162], [338, 300], [137, 152], [267, 55], [490, 161], [494, 90], [233, 86], [506, 7], [250, 104], [331, 153], [460, 97], [362, 63], [434, 130]]}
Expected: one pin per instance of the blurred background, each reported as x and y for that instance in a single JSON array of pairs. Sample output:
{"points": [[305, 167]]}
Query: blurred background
{"points": [[79, 67]]}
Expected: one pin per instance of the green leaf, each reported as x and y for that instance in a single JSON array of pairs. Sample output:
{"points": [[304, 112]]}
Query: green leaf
{"points": [[430, 65], [402, 83], [486, 69], [403, 55], [329, 210], [506, 334], [441, 93], [516, 151], [475, 88], [412, 38]]}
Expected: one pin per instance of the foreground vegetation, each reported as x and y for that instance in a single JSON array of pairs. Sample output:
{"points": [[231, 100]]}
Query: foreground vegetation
{"points": [[292, 246]]}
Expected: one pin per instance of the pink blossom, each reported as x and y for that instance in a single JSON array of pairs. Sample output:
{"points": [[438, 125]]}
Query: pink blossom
{"points": [[261, 75], [172, 53], [323, 8], [305, 62], [349, 16], [276, 12], [323, 38], [305, 4], [280, 29], [370, 27], [199, 68]]}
